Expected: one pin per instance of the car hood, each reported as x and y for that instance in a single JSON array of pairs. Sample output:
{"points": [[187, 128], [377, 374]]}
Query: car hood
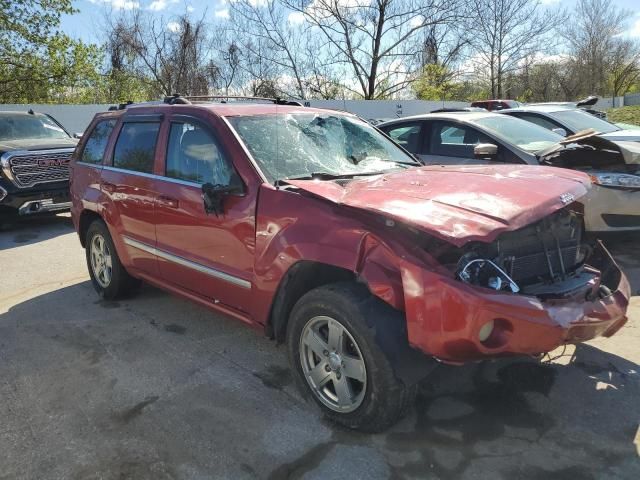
{"points": [[37, 144], [588, 149], [459, 204], [622, 135]]}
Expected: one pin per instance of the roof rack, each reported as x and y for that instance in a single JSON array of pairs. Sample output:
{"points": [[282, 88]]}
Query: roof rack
{"points": [[177, 99]]}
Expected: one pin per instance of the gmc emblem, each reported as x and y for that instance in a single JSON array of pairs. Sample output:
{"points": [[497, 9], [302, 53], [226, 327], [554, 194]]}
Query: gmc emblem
{"points": [[53, 162]]}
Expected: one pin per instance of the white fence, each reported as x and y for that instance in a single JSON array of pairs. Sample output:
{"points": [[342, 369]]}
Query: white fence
{"points": [[75, 118]]}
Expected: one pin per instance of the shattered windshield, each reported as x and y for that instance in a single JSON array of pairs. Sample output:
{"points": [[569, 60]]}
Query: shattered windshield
{"points": [[302, 144]]}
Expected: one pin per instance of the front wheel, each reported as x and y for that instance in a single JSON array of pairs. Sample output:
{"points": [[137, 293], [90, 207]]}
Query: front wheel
{"points": [[340, 358], [108, 276]]}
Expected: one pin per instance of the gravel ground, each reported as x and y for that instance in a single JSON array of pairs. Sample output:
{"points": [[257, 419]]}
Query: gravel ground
{"points": [[157, 388]]}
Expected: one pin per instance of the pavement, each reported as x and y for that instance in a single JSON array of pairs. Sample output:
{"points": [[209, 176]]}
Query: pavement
{"points": [[154, 387]]}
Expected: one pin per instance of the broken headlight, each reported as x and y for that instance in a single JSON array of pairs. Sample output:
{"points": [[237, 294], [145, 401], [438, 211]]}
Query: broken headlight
{"points": [[622, 180], [483, 272]]}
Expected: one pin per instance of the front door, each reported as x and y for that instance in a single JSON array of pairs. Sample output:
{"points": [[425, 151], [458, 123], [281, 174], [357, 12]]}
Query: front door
{"points": [[210, 254]]}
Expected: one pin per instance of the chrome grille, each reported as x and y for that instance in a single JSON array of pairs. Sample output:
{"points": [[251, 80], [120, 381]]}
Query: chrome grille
{"points": [[27, 169]]}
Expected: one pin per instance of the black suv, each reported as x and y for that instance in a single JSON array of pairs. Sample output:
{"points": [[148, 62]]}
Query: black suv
{"points": [[34, 164]]}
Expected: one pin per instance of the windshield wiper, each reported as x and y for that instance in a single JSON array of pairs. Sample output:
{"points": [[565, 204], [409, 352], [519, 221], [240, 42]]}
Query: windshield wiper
{"points": [[326, 176]]}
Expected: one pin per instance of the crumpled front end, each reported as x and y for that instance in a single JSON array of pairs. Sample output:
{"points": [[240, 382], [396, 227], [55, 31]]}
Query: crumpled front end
{"points": [[457, 321]]}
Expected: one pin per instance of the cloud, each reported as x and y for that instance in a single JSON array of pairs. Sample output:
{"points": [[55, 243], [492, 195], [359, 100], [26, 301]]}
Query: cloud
{"points": [[173, 26], [549, 2], [634, 31], [222, 13], [416, 21], [296, 18], [190, 9], [118, 4], [159, 5]]}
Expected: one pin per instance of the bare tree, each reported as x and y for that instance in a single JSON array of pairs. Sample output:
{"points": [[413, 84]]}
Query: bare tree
{"points": [[505, 33], [266, 23], [591, 36], [624, 66], [172, 54], [374, 38]]}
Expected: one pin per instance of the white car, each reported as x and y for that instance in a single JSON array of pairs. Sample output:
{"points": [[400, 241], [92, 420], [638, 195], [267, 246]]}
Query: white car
{"points": [[481, 138]]}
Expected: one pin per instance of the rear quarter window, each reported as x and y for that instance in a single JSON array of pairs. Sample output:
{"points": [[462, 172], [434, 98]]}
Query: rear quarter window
{"points": [[93, 151], [136, 146]]}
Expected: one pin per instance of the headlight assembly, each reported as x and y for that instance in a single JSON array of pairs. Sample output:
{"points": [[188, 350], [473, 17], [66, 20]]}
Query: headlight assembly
{"points": [[619, 180]]}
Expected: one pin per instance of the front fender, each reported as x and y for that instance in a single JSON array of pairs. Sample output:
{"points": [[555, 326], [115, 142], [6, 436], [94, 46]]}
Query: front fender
{"points": [[291, 228]]}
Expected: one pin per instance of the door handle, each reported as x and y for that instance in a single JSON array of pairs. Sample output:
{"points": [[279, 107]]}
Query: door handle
{"points": [[108, 187], [167, 201]]}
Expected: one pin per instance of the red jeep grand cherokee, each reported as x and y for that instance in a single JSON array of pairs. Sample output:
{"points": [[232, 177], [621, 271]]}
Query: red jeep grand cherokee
{"points": [[316, 228]]}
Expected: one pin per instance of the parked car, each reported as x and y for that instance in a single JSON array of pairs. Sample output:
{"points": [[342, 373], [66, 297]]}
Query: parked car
{"points": [[34, 158], [314, 227], [459, 109], [568, 121], [492, 105], [584, 105], [613, 203]]}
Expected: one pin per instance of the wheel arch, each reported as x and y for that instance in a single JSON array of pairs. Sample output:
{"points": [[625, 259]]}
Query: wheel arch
{"points": [[302, 277], [86, 218]]}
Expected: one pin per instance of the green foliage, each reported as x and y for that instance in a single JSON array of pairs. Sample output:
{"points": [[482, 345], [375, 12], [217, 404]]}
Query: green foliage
{"points": [[624, 115], [435, 83], [38, 63]]}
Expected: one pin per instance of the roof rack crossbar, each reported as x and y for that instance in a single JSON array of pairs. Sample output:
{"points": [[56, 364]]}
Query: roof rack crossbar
{"points": [[186, 99]]}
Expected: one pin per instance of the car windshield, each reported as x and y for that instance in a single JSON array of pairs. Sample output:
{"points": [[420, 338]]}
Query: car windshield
{"points": [[524, 135], [302, 144], [578, 120], [19, 126]]}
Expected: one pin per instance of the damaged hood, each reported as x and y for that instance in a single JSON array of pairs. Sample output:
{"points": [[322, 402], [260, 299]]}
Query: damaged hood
{"points": [[589, 149], [459, 204], [623, 136]]}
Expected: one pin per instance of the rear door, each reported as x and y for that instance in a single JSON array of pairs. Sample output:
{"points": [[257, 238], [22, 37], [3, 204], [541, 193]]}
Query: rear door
{"points": [[129, 184], [209, 254], [407, 134]]}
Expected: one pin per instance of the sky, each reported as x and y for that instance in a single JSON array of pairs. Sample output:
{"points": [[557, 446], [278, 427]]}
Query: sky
{"points": [[87, 25]]}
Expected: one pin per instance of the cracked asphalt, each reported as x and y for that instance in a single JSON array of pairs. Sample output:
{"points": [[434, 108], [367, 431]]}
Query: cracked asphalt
{"points": [[156, 388]]}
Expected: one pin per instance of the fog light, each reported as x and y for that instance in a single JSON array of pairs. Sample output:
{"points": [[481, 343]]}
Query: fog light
{"points": [[485, 331]]}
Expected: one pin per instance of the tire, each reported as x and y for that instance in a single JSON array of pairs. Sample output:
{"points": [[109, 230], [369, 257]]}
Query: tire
{"points": [[112, 281], [373, 334]]}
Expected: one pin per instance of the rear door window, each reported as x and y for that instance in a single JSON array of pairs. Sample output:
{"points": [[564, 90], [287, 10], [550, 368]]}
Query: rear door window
{"points": [[93, 151], [407, 135], [136, 145]]}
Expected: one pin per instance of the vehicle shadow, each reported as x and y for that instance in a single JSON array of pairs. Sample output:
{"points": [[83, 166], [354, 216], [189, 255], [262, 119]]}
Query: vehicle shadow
{"points": [[19, 231], [625, 248], [528, 419], [573, 417]]}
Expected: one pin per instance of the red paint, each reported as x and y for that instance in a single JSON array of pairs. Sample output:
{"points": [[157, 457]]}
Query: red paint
{"points": [[266, 231], [460, 204]]}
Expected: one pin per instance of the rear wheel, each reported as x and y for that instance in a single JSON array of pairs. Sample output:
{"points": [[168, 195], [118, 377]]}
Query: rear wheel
{"points": [[108, 276], [335, 347]]}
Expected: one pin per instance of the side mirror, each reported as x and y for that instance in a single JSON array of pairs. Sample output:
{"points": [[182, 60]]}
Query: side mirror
{"points": [[487, 151], [559, 131], [213, 196], [77, 135]]}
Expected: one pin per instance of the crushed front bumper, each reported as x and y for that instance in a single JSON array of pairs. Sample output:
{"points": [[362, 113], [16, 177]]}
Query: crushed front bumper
{"points": [[445, 316]]}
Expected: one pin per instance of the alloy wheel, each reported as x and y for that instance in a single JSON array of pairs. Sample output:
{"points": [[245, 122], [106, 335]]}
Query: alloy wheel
{"points": [[333, 364], [101, 262]]}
